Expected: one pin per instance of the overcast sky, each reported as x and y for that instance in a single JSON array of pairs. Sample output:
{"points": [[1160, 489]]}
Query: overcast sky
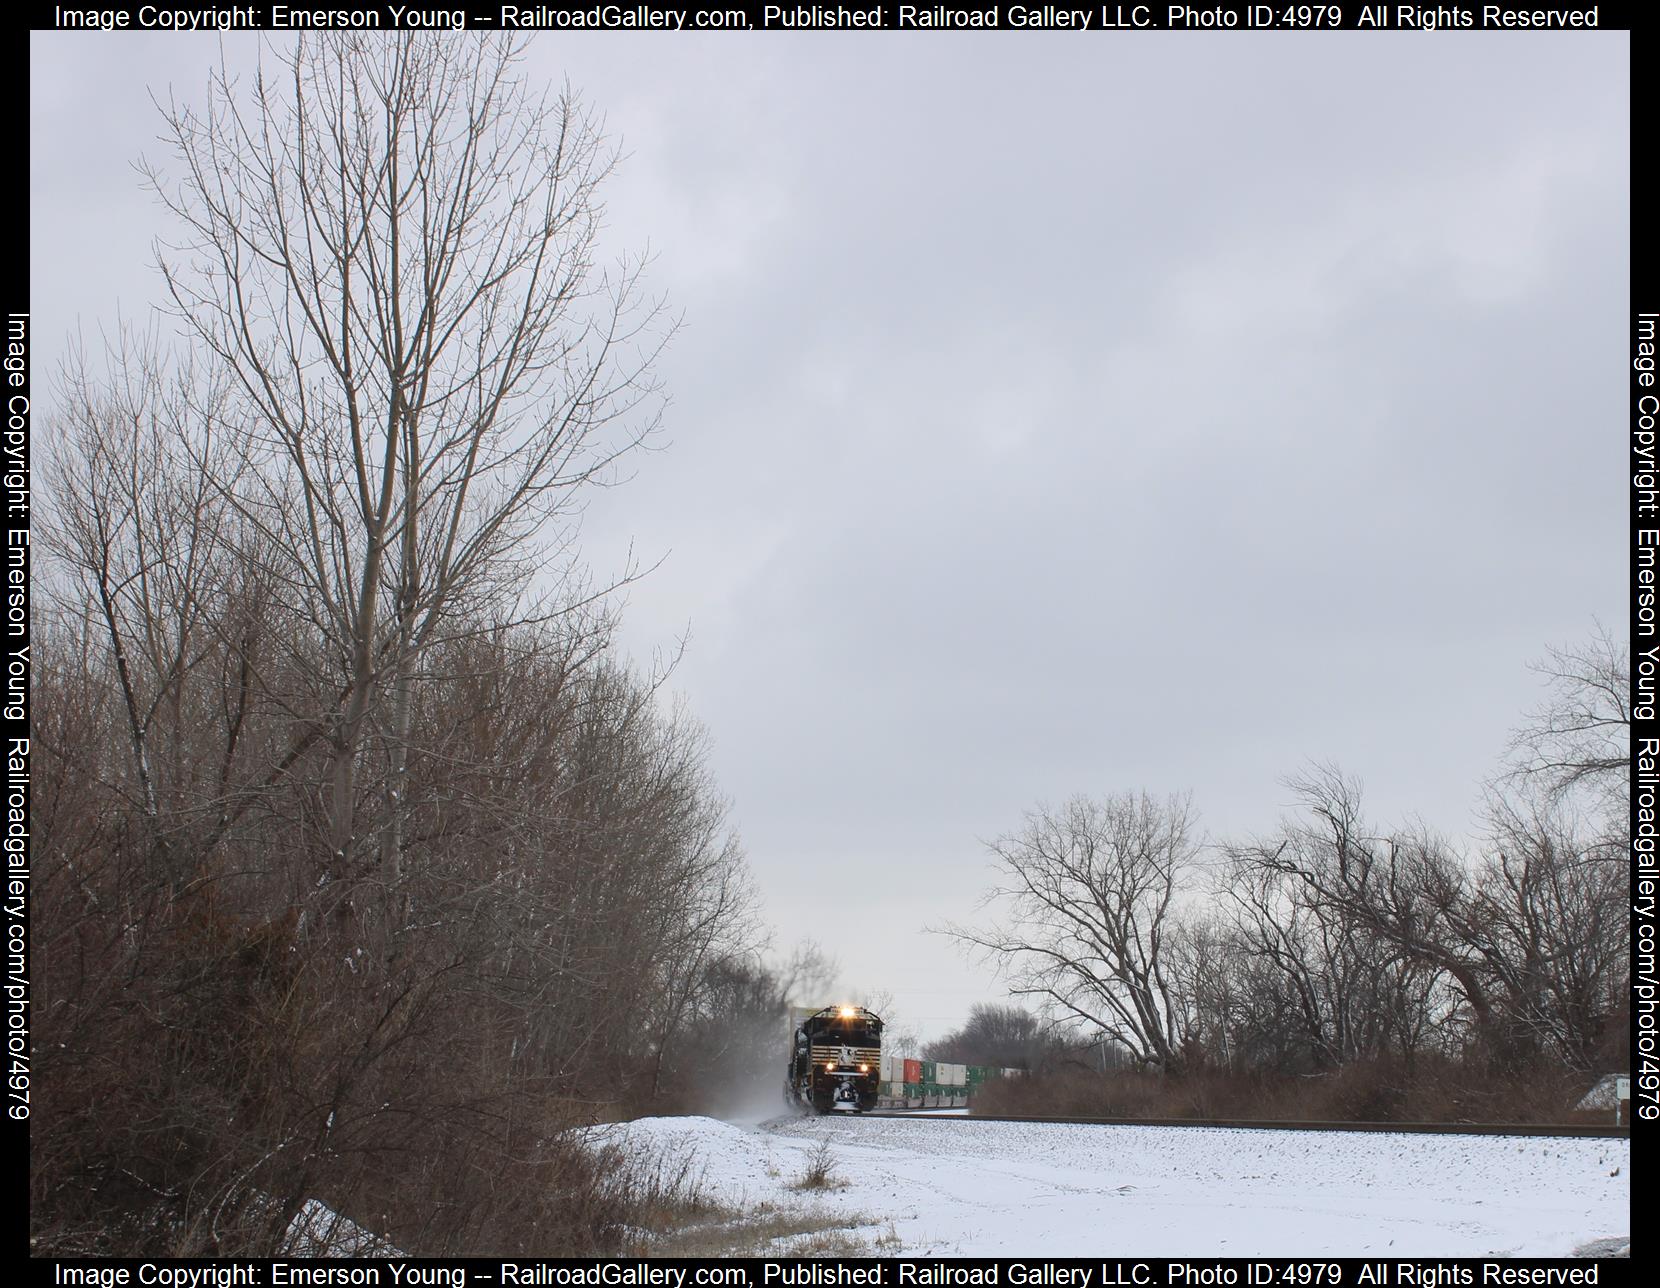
{"points": [[1059, 413]]}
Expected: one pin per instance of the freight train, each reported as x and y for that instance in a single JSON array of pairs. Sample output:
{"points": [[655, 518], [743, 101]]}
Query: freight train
{"points": [[837, 1065], [835, 1060]]}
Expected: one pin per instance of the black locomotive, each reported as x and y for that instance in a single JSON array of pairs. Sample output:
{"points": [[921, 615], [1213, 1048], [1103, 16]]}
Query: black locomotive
{"points": [[836, 1060]]}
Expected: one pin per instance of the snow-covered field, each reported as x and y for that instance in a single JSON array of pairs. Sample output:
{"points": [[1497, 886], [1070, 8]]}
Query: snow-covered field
{"points": [[1020, 1189]]}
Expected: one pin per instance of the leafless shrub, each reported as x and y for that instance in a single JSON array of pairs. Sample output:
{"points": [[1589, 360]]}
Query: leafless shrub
{"points": [[820, 1171]]}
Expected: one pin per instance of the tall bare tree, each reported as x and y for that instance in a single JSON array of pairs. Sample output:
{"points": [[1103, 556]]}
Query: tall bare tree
{"points": [[314, 615], [1529, 935], [1301, 987], [1580, 736], [1086, 903], [390, 245]]}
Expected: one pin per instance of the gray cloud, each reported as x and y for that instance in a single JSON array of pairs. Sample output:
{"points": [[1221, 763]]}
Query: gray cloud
{"points": [[1084, 413]]}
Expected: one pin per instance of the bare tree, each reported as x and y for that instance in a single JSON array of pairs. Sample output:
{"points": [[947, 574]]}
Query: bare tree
{"points": [[807, 973], [141, 541], [1527, 936], [298, 661], [880, 1000], [1555, 926], [1086, 899], [1300, 987], [1580, 736], [1004, 1037], [391, 248]]}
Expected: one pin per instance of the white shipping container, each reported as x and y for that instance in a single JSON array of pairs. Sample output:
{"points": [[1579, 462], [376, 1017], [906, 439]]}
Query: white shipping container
{"points": [[793, 1019], [953, 1075]]}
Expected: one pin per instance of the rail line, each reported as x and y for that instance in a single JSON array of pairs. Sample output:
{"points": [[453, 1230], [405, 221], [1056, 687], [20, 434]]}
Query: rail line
{"points": [[1258, 1124]]}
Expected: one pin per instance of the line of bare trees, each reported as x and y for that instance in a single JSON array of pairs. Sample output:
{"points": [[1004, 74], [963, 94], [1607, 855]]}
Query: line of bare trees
{"points": [[1333, 941], [1006, 1036], [363, 865]]}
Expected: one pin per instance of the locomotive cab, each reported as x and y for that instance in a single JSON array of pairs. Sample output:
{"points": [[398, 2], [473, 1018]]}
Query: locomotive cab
{"points": [[836, 1060]]}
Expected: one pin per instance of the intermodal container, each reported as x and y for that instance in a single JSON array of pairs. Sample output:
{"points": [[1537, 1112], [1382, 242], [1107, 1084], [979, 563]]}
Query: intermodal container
{"points": [[913, 1071]]}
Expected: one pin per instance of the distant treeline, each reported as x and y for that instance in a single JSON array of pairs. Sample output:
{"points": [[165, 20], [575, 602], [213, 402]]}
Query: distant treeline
{"points": [[1384, 960]]}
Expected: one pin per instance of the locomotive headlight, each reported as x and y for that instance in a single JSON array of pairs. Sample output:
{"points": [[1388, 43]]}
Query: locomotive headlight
{"points": [[864, 1068], [848, 1012]]}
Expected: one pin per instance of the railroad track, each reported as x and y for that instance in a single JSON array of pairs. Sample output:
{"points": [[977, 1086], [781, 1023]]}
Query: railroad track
{"points": [[1257, 1124]]}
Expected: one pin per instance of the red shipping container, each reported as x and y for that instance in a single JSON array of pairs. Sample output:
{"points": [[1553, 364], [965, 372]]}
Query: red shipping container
{"points": [[913, 1071]]}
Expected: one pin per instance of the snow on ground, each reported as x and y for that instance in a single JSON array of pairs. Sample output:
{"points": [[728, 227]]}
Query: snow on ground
{"points": [[317, 1230], [1025, 1189], [737, 1166]]}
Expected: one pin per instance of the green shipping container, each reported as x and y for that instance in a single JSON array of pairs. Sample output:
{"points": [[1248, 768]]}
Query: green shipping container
{"points": [[928, 1068]]}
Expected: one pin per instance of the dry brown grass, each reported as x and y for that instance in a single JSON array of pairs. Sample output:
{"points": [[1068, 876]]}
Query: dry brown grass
{"points": [[769, 1231], [1378, 1091]]}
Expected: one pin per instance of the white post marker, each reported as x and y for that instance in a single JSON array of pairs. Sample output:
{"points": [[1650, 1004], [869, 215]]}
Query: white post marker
{"points": [[1622, 1091]]}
